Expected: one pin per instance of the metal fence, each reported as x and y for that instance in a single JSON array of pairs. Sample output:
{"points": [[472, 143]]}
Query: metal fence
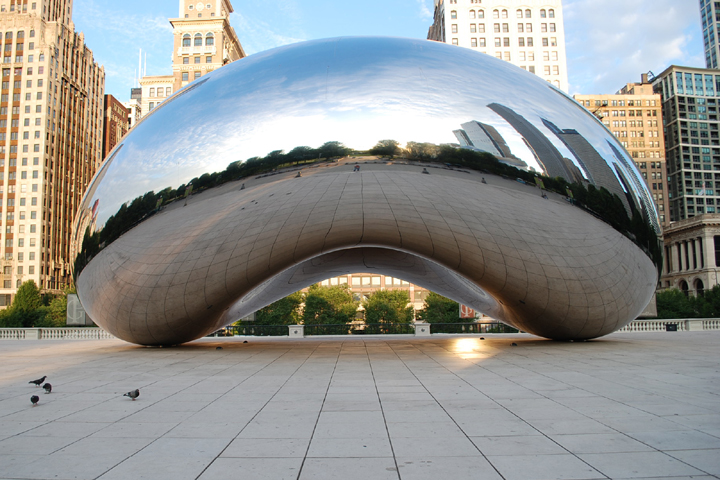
{"points": [[472, 328]]}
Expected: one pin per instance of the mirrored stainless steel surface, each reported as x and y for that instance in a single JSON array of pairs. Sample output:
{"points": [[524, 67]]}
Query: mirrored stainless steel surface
{"points": [[506, 194]]}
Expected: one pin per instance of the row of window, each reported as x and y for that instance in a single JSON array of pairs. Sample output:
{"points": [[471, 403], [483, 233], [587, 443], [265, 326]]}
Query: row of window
{"points": [[520, 13], [20, 270], [20, 34], [23, 7], [505, 42], [505, 28], [197, 41], [619, 103], [161, 92], [364, 281], [186, 60]]}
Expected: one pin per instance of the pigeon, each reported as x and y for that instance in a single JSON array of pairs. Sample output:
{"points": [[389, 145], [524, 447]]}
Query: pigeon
{"points": [[133, 394], [47, 387], [482, 338], [34, 399], [39, 381], [218, 348], [514, 344], [245, 341]]}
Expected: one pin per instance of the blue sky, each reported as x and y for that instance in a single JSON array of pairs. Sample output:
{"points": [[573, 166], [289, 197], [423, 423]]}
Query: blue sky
{"points": [[609, 42]]}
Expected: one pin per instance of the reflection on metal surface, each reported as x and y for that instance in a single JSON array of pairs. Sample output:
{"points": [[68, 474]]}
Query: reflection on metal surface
{"points": [[536, 217]]}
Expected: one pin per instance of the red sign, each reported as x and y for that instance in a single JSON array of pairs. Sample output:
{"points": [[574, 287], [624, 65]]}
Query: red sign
{"points": [[466, 312]]}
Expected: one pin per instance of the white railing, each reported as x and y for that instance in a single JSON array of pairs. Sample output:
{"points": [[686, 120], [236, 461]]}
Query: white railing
{"points": [[713, 324], [74, 334], [652, 325], [69, 333], [12, 334]]}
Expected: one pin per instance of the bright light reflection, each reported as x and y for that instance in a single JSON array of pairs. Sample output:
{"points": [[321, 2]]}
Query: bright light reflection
{"points": [[465, 345]]}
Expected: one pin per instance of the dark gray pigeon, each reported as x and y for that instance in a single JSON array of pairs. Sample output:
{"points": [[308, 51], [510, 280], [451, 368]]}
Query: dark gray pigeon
{"points": [[34, 399], [218, 348], [47, 387], [133, 394], [39, 381]]}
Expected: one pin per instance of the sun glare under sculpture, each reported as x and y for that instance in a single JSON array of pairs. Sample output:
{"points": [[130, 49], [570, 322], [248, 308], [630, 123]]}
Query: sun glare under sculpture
{"points": [[488, 185]]}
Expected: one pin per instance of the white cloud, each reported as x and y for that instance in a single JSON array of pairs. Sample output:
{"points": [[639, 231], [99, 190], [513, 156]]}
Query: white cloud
{"points": [[257, 35], [611, 42], [425, 11]]}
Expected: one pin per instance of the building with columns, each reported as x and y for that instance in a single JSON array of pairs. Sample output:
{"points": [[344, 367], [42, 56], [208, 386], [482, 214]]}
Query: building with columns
{"points": [[203, 41], [692, 254], [51, 140], [526, 33]]}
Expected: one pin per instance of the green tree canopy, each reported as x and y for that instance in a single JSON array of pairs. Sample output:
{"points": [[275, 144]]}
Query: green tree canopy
{"points": [[388, 306], [285, 311], [329, 305], [388, 148], [439, 309]]}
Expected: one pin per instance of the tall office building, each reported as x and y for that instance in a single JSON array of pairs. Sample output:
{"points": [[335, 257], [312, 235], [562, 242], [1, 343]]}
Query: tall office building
{"points": [[115, 123], [204, 41], [528, 34], [634, 116], [51, 122], [710, 13], [692, 139]]}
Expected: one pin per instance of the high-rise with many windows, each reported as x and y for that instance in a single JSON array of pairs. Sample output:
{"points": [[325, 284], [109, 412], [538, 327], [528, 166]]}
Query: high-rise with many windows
{"points": [[710, 14], [51, 121], [634, 116], [529, 34], [690, 102], [203, 41]]}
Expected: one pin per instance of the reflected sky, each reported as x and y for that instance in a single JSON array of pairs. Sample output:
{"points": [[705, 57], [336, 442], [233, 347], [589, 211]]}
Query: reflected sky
{"points": [[353, 90]]}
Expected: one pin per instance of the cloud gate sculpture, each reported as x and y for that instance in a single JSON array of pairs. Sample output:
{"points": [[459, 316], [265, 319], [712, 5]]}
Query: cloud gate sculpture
{"points": [[477, 180]]}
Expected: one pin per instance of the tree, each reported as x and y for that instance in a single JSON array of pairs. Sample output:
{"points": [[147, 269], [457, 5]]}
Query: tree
{"points": [[673, 303], [329, 305], [388, 306], [26, 309], [333, 149], [285, 311], [387, 148], [439, 309]]}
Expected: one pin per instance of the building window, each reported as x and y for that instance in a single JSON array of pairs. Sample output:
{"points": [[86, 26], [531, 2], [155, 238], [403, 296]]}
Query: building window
{"points": [[453, 28], [528, 13], [198, 40], [453, 14], [519, 13], [551, 13], [152, 92], [197, 59], [209, 40], [473, 28], [543, 13], [168, 91], [186, 40], [197, 74], [186, 60], [496, 13], [481, 13], [454, 41], [472, 13], [473, 42], [184, 76]]}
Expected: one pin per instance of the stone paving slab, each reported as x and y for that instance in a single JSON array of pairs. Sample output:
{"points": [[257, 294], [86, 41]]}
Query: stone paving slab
{"points": [[627, 406]]}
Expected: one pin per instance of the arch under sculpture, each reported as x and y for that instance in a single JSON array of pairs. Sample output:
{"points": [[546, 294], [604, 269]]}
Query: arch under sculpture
{"points": [[497, 190]]}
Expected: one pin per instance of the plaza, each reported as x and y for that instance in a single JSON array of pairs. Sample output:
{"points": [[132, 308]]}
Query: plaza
{"points": [[629, 405]]}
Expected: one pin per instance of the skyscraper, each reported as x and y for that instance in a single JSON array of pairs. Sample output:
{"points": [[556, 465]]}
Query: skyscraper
{"points": [[633, 115], [551, 160], [51, 122], [528, 34], [203, 41], [710, 14], [692, 139]]}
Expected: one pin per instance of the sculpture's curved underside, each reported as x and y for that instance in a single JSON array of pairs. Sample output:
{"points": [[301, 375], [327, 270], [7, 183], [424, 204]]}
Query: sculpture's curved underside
{"points": [[547, 266]]}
